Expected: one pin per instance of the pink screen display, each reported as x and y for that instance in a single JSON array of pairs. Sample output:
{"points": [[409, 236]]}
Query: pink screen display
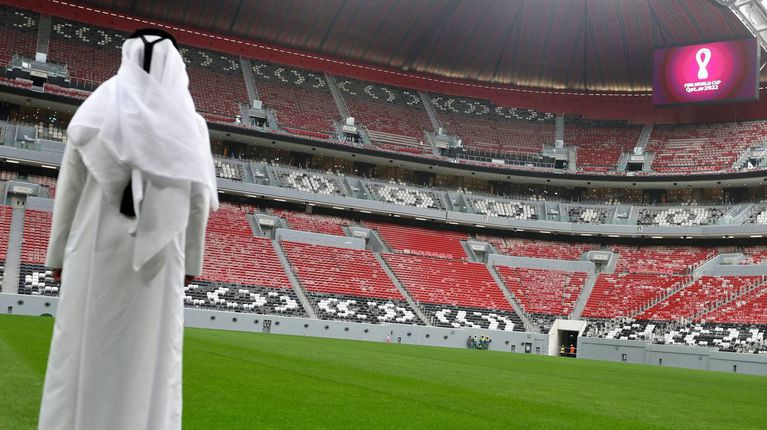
{"points": [[707, 72]]}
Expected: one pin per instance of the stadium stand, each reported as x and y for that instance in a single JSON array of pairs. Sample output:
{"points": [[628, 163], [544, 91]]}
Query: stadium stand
{"points": [[405, 196], [6, 212], [91, 54], [18, 33], [503, 208], [229, 170], [540, 291], [238, 298], [483, 126], [750, 308], [396, 117], [347, 284], [619, 295], [310, 182], [538, 248], [755, 255], [589, 214], [702, 147], [679, 217], [759, 216], [420, 241], [301, 99], [658, 259], [313, 223], [698, 297], [33, 277], [600, 144]]}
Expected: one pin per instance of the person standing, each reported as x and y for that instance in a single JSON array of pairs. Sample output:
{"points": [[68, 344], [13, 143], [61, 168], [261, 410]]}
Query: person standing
{"points": [[136, 184]]}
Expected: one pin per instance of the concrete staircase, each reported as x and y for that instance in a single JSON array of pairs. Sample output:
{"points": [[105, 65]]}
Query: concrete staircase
{"points": [[297, 287], [250, 80], [410, 301], [13, 256], [426, 100], [343, 110], [580, 304]]}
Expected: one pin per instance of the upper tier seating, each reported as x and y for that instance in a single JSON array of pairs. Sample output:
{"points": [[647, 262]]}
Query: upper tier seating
{"points": [[679, 217], [538, 248], [234, 256], [751, 308], [659, 259], [37, 229], [759, 216], [406, 196], [483, 126], [600, 143], [309, 182], [697, 297], [18, 33], [622, 294], [702, 147], [385, 109], [447, 282], [91, 54], [503, 208], [301, 99], [420, 241], [340, 271], [542, 291], [313, 223], [229, 170]]}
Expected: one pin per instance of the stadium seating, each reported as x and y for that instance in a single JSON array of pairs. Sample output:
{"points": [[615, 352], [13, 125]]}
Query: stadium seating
{"points": [[702, 147], [538, 248], [6, 212], [483, 126], [310, 182], [385, 109], [589, 214], [234, 256], [755, 255], [238, 298], [18, 33], [37, 229], [313, 222], [503, 208], [759, 216], [679, 217], [600, 144], [229, 170], [35, 280], [420, 241], [542, 291], [621, 294], [697, 297], [301, 99], [340, 271], [406, 196], [359, 309], [658, 259], [91, 54], [750, 308]]}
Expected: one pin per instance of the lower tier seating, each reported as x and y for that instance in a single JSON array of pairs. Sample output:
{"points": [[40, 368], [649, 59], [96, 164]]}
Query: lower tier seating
{"points": [[622, 294], [37, 229], [313, 222], [362, 309], [462, 316], [698, 297], [659, 259], [539, 291], [447, 282], [36, 280], [340, 271], [420, 241], [240, 298]]}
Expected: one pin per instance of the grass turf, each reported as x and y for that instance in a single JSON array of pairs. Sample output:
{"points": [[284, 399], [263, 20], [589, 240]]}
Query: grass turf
{"points": [[236, 380]]}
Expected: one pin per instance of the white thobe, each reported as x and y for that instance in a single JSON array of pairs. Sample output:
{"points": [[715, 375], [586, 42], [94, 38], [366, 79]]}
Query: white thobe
{"points": [[115, 358]]}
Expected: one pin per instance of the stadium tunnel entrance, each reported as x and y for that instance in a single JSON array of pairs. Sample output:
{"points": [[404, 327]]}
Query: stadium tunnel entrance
{"points": [[563, 337]]}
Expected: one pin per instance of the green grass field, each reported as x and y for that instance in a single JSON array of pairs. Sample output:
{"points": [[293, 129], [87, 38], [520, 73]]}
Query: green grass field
{"points": [[238, 380]]}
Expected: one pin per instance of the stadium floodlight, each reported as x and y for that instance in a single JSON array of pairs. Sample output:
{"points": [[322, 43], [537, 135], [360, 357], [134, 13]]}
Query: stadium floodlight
{"points": [[753, 14]]}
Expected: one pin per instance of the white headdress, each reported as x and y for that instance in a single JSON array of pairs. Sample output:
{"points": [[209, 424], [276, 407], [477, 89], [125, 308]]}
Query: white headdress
{"points": [[142, 128]]}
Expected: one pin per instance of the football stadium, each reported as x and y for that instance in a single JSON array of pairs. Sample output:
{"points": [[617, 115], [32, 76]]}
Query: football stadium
{"points": [[423, 214]]}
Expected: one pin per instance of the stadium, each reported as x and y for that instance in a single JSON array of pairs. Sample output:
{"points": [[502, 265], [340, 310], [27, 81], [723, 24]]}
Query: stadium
{"points": [[454, 214]]}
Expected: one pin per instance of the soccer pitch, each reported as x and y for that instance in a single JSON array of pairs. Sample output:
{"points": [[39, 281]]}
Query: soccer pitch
{"points": [[235, 380]]}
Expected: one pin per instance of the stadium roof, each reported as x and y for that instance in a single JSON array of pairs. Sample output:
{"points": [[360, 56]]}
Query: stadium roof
{"points": [[574, 44]]}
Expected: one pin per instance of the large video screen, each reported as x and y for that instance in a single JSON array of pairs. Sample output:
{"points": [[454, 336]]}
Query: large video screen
{"points": [[706, 72]]}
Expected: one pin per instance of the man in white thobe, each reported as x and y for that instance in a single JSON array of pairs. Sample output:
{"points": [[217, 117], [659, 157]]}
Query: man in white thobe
{"points": [[115, 358]]}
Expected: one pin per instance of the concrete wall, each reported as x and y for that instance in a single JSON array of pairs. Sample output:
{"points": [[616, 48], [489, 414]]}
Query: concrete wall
{"points": [[319, 239], [641, 352], [409, 334]]}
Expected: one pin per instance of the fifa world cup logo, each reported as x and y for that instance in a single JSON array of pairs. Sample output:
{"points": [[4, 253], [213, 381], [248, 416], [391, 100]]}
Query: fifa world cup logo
{"points": [[703, 56]]}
